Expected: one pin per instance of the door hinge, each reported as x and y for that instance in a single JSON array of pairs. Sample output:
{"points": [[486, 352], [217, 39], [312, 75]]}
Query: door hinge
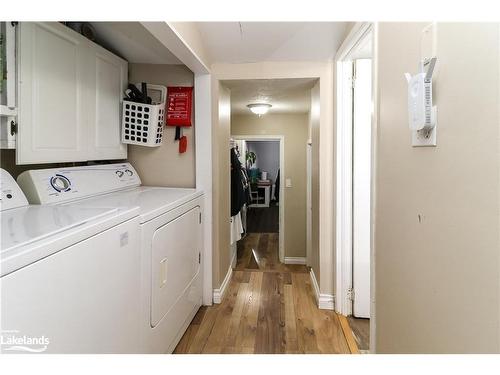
{"points": [[350, 294], [199, 258], [200, 217], [13, 127]]}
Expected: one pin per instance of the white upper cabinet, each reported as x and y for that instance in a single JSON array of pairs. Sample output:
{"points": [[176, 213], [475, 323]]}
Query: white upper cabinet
{"points": [[52, 118], [107, 82], [70, 92]]}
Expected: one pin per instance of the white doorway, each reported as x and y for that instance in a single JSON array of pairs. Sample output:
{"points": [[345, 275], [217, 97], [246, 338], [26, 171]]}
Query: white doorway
{"points": [[244, 140], [361, 173], [355, 122]]}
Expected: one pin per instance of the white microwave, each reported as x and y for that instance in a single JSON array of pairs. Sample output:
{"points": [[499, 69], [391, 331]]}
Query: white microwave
{"points": [[8, 85]]}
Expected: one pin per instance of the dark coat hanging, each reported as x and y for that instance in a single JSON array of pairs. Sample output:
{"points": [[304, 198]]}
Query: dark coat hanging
{"points": [[238, 193]]}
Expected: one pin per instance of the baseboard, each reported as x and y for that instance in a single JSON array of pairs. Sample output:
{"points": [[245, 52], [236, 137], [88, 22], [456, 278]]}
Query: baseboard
{"points": [[295, 260], [324, 301], [219, 293]]}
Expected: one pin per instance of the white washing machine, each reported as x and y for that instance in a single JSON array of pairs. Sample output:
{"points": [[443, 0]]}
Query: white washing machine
{"points": [[70, 280], [171, 233]]}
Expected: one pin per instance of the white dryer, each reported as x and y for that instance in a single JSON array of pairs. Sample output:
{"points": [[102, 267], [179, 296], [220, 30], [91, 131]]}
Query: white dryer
{"points": [[69, 276], [171, 233]]}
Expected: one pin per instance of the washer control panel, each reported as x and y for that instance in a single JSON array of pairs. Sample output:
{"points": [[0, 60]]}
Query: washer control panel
{"points": [[11, 195], [63, 184]]}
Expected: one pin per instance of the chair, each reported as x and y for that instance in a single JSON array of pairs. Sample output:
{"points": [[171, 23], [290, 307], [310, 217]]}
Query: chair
{"points": [[255, 199]]}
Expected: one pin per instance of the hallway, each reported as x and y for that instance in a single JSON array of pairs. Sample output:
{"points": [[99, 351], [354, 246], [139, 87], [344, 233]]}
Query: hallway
{"points": [[267, 309]]}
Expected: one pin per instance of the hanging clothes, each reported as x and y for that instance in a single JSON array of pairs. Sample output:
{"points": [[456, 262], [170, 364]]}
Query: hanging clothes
{"points": [[277, 187], [236, 228], [238, 193]]}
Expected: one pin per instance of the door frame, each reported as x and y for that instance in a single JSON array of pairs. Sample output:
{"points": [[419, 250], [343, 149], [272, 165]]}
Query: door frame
{"points": [[308, 202], [344, 175], [281, 225]]}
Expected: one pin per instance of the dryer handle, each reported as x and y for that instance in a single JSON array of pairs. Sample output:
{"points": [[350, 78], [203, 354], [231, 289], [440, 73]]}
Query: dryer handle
{"points": [[163, 272]]}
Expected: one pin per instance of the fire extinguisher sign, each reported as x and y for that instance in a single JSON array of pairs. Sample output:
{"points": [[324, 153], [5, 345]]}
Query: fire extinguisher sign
{"points": [[179, 105]]}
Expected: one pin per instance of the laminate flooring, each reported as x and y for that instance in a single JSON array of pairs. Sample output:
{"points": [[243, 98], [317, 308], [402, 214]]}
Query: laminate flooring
{"points": [[268, 308]]}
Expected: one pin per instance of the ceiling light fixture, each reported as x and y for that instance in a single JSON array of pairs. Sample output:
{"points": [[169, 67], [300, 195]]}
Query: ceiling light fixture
{"points": [[259, 108]]}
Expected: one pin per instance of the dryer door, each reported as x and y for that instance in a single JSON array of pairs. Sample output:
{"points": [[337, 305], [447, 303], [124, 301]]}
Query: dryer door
{"points": [[175, 261]]}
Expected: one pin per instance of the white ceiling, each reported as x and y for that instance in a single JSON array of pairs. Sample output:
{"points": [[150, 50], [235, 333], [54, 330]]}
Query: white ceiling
{"points": [[285, 95], [246, 42], [133, 42]]}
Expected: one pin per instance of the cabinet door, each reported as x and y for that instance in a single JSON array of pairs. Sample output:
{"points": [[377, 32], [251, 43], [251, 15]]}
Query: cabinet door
{"points": [[52, 119], [107, 83]]}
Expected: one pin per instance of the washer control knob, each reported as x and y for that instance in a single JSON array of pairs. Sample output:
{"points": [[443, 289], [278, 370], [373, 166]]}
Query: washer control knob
{"points": [[129, 172], [60, 183], [119, 173]]}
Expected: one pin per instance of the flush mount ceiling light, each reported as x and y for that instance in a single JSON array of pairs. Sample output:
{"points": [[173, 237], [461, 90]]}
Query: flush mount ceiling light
{"points": [[259, 108]]}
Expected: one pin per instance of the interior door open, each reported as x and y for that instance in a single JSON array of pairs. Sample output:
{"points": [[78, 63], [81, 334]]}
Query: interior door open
{"points": [[362, 113]]}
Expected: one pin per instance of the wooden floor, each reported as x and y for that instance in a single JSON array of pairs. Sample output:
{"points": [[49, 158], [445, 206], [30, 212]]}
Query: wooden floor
{"points": [[263, 219], [361, 331], [259, 251], [268, 308]]}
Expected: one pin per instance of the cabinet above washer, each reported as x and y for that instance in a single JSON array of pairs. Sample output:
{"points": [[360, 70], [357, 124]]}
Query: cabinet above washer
{"points": [[70, 92]]}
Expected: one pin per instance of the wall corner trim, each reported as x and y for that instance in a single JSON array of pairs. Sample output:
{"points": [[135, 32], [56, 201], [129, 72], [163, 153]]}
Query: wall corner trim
{"points": [[295, 260], [218, 295], [324, 301]]}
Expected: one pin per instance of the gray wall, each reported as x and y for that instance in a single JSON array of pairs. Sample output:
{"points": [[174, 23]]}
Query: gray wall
{"points": [[268, 156]]}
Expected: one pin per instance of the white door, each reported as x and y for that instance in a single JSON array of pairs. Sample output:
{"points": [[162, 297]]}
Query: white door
{"points": [[362, 112], [176, 257], [52, 119], [108, 81]]}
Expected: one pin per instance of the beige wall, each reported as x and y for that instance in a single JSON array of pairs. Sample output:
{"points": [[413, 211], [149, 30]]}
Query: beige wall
{"points": [[314, 121], [294, 129], [221, 112], [164, 166], [437, 278]]}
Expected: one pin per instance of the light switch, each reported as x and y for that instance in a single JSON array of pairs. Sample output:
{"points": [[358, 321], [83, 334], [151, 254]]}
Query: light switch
{"points": [[288, 182]]}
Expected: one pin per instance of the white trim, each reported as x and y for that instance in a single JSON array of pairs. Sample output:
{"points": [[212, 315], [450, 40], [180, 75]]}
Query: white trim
{"points": [[295, 260], [218, 295], [343, 263], [373, 320], [202, 117], [281, 206], [324, 301], [308, 201], [315, 285]]}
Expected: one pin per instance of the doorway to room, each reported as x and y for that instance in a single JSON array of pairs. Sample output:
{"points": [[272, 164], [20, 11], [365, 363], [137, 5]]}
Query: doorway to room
{"points": [[262, 159], [354, 180]]}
